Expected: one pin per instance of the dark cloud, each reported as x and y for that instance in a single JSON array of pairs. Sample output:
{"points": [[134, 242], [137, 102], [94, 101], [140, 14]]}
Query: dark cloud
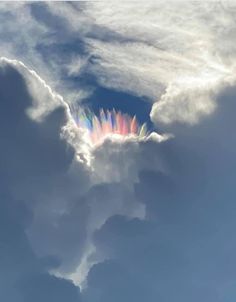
{"points": [[30, 152], [185, 250], [29, 149], [23, 276]]}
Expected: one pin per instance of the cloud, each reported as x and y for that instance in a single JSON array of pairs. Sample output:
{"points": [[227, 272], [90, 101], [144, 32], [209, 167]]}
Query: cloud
{"points": [[114, 168], [41, 44], [184, 249], [35, 167], [152, 219], [70, 188], [171, 56], [24, 276], [184, 104], [121, 160], [171, 53], [44, 99]]}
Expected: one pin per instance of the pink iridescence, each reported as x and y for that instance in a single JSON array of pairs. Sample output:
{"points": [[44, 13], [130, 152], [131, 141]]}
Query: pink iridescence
{"points": [[109, 122]]}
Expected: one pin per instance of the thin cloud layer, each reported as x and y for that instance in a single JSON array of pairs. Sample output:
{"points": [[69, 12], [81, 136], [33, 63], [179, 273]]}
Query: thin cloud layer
{"points": [[170, 53]]}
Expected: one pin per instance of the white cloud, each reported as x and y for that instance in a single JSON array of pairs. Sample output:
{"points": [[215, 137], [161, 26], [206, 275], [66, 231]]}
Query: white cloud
{"points": [[164, 51], [177, 54], [30, 38]]}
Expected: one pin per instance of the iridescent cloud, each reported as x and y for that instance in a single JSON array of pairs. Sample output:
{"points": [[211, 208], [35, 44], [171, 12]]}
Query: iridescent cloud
{"points": [[108, 122]]}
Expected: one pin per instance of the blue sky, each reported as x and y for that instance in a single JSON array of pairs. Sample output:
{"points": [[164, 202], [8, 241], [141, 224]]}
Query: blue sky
{"points": [[132, 218]]}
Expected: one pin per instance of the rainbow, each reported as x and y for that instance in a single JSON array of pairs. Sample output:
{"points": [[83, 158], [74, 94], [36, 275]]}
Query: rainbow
{"points": [[108, 122]]}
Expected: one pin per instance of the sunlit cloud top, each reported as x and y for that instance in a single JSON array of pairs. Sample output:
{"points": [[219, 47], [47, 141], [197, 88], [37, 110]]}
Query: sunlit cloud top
{"points": [[108, 122]]}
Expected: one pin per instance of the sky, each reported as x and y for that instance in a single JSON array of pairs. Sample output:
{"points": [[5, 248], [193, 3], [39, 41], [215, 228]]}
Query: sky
{"points": [[117, 158]]}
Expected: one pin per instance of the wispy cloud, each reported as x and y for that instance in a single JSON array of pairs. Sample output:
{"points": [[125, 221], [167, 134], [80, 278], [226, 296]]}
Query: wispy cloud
{"points": [[172, 53], [178, 55]]}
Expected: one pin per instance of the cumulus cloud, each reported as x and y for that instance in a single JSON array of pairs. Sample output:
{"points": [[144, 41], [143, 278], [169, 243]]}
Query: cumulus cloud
{"points": [[24, 276], [31, 155], [129, 217], [114, 167], [184, 249], [38, 166], [70, 187]]}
